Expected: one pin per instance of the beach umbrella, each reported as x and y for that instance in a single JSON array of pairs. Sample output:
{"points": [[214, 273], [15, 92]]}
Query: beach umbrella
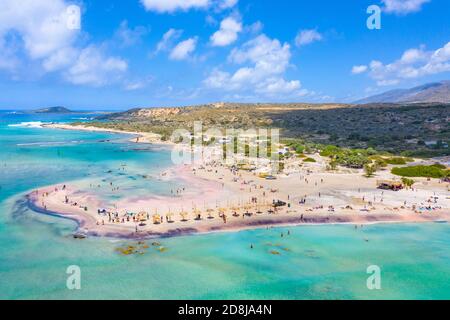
{"points": [[142, 216], [184, 215], [156, 219], [210, 211], [170, 216]]}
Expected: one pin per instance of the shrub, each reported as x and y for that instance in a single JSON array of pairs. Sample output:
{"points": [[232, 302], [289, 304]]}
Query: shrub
{"points": [[369, 170], [396, 161], [421, 171], [408, 182], [309, 160]]}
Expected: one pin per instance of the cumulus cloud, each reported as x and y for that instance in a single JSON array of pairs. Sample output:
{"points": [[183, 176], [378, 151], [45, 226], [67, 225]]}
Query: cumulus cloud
{"points": [[163, 6], [137, 84], [47, 40], [167, 39], [263, 63], [183, 49], [93, 68], [414, 63], [170, 6], [42, 25], [228, 33], [306, 37], [226, 4], [402, 7], [359, 69], [130, 36]]}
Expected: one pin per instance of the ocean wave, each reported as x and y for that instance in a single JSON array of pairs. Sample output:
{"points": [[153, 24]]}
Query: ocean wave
{"points": [[82, 118], [49, 144], [33, 124]]}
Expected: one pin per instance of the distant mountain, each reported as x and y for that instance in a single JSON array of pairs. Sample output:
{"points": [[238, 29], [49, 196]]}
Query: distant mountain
{"points": [[431, 92], [53, 110]]}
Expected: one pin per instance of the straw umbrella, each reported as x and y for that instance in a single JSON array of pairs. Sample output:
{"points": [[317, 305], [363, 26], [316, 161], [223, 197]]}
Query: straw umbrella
{"points": [[183, 215], [169, 217], [156, 219], [198, 214], [210, 211], [142, 216]]}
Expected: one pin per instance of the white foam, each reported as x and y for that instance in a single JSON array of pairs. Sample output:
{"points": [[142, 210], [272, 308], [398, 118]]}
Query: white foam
{"points": [[34, 124]]}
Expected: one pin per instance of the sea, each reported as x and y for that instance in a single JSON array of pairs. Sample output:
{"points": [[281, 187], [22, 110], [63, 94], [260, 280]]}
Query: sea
{"points": [[38, 252]]}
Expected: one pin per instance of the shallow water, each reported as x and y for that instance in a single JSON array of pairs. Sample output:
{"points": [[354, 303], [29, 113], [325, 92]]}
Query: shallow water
{"points": [[314, 262]]}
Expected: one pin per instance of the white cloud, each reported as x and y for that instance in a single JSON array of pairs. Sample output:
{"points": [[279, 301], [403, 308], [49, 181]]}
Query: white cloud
{"points": [[228, 32], [128, 36], [183, 49], [305, 37], [162, 6], [60, 59], [137, 84], [8, 61], [170, 6], [254, 28], [42, 25], [93, 68], [414, 63], [403, 7], [227, 4], [264, 62], [48, 42], [359, 69], [167, 39]]}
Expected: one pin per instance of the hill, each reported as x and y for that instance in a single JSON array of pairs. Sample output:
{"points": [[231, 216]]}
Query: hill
{"points": [[438, 92], [418, 129], [53, 110]]}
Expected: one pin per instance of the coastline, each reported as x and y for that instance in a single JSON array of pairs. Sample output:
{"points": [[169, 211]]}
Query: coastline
{"points": [[144, 137], [333, 198], [90, 229]]}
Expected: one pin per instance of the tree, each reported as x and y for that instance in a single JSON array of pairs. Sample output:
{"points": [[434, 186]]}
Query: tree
{"points": [[332, 165], [408, 182], [370, 170]]}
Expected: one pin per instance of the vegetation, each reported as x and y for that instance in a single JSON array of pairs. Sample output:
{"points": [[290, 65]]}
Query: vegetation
{"points": [[433, 171], [348, 134], [310, 160], [408, 182], [370, 170], [398, 160]]}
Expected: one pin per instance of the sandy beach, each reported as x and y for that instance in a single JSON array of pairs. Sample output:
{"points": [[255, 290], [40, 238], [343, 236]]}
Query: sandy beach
{"points": [[213, 197], [140, 137]]}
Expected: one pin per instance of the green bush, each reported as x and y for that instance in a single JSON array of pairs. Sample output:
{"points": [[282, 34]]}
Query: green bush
{"points": [[421, 171], [309, 160], [408, 182], [396, 161]]}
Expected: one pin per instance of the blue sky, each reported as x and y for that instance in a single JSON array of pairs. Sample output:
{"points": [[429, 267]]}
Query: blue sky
{"points": [[144, 53]]}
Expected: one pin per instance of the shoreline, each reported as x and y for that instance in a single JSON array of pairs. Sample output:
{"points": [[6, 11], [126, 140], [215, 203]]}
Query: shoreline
{"points": [[144, 137], [333, 198], [267, 222]]}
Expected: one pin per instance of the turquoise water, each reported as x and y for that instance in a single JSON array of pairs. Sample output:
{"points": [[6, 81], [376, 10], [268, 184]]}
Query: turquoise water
{"points": [[315, 262]]}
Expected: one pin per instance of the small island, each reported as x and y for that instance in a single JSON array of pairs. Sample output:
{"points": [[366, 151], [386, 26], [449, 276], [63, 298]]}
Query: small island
{"points": [[61, 110]]}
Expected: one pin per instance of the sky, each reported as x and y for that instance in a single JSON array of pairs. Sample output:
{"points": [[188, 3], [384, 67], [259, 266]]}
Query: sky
{"points": [[115, 54]]}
